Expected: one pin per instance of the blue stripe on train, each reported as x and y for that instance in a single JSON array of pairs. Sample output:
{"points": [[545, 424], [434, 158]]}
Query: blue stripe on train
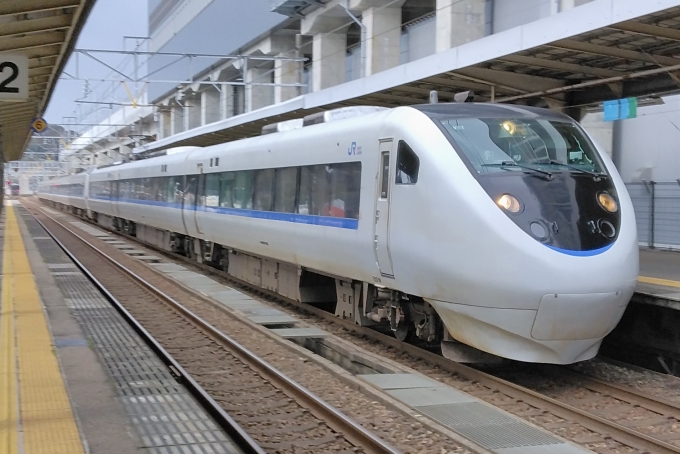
{"points": [[326, 221], [581, 253]]}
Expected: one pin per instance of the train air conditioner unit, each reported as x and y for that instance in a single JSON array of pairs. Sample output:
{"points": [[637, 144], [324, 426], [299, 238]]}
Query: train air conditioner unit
{"points": [[340, 114], [282, 126]]}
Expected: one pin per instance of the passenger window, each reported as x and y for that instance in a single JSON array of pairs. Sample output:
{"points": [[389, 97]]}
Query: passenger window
{"points": [[227, 189], [284, 190], [190, 191], [212, 190], [264, 185], [305, 195], [408, 165], [243, 190], [321, 190], [345, 192], [170, 190]]}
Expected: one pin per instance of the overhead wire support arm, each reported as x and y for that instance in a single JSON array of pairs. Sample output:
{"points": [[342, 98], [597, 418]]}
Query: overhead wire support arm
{"points": [[107, 65]]}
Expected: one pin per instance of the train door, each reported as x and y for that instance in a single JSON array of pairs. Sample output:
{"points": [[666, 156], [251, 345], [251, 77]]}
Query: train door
{"points": [[115, 194], [200, 200], [188, 202], [382, 211]]}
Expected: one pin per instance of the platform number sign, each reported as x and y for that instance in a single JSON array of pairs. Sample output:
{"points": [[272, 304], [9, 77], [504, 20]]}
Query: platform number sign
{"points": [[13, 77]]}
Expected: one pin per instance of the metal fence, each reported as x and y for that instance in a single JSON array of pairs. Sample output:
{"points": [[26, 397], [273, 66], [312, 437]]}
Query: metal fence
{"points": [[657, 210]]}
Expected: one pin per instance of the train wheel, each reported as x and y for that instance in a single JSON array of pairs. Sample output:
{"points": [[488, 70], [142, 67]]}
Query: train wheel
{"points": [[405, 331]]}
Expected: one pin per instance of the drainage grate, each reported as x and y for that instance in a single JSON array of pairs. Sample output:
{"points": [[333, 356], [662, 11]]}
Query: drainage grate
{"points": [[487, 426]]}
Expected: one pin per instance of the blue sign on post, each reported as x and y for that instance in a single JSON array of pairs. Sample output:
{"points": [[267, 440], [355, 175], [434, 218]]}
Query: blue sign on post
{"points": [[620, 109], [611, 110]]}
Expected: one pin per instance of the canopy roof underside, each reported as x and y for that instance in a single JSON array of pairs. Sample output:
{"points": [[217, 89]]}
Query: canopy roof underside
{"points": [[45, 31]]}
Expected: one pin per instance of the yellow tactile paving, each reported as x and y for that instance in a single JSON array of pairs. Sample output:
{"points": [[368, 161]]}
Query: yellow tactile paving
{"points": [[27, 357], [656, 281], [9, 415]]}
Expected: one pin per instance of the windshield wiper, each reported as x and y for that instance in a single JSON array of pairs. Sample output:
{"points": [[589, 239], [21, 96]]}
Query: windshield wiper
{"points": [[546, 175], [578, 169]]}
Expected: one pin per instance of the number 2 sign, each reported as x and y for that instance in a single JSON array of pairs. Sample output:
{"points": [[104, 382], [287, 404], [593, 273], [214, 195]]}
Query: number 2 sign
{"points": [[13, 77]]}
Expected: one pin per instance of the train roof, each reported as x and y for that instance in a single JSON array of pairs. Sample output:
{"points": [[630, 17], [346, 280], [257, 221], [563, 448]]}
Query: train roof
{"points": [[488, 110]]}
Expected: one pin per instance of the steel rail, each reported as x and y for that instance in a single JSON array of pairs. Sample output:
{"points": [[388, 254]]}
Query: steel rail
{"points": [[337, 420], [620, 433], [630, 395]]}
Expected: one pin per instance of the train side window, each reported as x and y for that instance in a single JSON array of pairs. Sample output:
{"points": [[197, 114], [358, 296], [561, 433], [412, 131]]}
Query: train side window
{"points": [[346, 186], [264, 189], [304, 205], [284, 190], [408, 165], [212, 190], [243, 189], [227, 189], [190, 191], [321, 190], [169, 190], [147, 189]]}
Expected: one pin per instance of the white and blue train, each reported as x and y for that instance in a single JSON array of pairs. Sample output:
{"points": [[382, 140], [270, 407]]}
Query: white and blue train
{"points": [[500, 227]]}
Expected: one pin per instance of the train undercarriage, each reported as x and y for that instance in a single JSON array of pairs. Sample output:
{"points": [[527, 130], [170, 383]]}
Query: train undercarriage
{"points": [[408, 317]]}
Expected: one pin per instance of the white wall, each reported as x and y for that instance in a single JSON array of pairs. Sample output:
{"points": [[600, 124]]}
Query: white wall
{"points": [[651, 143], [419, 40], [508, 14]]}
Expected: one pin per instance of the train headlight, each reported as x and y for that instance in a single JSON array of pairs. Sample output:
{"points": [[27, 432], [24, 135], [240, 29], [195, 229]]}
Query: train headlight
{"points": [[509, 203], [607, 202]]}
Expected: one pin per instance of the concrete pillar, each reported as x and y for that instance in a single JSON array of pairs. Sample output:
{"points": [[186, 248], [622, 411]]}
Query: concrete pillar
{"points": [[164, 124], [383, 38], [566, 5], [286, 72], [258, 96], [227, 101], [328, 62], [459, 22], [210, 106], [177, 120], [192, 109], [239, 100]]}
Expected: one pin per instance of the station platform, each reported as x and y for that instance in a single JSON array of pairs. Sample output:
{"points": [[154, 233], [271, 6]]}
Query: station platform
{"points": [[74, 377], [659, 281]]}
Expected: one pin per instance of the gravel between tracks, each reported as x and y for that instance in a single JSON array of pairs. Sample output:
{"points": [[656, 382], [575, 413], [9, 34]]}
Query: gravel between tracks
{"points": [[403, 432]]}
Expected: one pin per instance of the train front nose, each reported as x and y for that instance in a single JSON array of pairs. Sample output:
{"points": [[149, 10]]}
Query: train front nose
{"points": [[576, 316]]}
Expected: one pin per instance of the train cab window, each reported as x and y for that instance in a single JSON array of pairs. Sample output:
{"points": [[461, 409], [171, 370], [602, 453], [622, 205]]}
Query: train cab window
{"points": [[284, 188], [243, 189], [408, 165], [264, 187], [212, 189]]}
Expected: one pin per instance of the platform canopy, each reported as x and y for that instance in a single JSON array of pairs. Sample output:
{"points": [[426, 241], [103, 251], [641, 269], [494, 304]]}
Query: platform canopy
{"points": [[45, 31], [603, 50]]}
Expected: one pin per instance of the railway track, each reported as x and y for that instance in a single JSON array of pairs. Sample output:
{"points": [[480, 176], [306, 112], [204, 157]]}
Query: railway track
{"points": [[276, 414], [598, 415]]}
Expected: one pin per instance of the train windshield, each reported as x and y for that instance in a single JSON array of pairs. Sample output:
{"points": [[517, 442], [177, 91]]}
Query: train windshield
{"points": [[501, 144]]}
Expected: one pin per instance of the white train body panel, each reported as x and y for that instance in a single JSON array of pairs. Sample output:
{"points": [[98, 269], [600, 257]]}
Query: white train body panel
{"points": [[494, 286]]}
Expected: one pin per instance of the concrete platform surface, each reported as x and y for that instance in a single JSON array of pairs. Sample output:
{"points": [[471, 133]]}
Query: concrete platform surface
{"points": [[659, 281]]}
